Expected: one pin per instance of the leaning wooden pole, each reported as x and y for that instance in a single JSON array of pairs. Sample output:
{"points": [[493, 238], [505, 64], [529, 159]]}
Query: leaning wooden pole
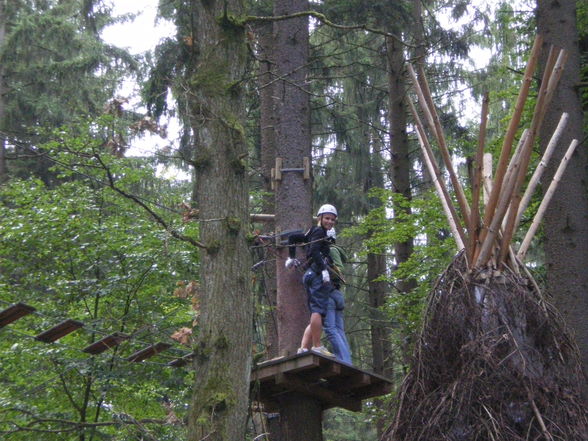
{"points": [[545, 202], [474, 219], [487, 244], [545, 95], [542, 166], [453, 217], [487, 177], [450, 219], [510, 134], [512, 192], [514, 164], [428, 107]]}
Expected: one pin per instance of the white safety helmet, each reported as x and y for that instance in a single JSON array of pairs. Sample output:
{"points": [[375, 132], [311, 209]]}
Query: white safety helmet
{"points": [[332, 234], [327, 208]]}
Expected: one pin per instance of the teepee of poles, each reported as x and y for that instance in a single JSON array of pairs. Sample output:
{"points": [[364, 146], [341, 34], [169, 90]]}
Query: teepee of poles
{"points": [[487, 238], [493, 360]]}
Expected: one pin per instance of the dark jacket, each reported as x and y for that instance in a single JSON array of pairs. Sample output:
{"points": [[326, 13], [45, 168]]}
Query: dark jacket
{"points": [[317, 250]]}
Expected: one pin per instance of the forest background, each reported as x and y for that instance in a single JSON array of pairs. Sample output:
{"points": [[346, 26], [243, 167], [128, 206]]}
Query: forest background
{"points": [[91, 233]]}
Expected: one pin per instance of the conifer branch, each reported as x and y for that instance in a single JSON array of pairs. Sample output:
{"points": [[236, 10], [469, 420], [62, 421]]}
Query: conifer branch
{"points": [[323, 19]]}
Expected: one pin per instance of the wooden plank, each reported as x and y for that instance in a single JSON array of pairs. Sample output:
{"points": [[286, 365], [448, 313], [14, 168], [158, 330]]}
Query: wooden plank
{"points": [[278, 172], [60, 330], [356, 380], [259, 217], [322, 372], [373, 390], [289, 365], [328, 397], [306, 165], [326, 379], [106, 343], [14, 312], [148, 352]]}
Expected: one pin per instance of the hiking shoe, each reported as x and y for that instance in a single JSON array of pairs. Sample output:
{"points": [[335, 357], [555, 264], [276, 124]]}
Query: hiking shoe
{"points": [[301, 350], [322, 350]]}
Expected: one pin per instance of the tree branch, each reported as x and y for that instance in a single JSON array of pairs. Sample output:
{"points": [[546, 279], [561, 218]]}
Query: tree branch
{"points": [[323, 19], [76, 425], [153, 214]]}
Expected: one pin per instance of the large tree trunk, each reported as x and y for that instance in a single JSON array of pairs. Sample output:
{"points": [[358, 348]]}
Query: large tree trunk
{"points": [[3, 172], [300, 417], [224, 334], [566, 221], [419, 54], [400, 161], [382, 362], [378, 290], [293, 142], [267, 158]]}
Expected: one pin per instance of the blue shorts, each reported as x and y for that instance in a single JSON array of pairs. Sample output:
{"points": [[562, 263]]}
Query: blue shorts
{"points": [[318, 293]]}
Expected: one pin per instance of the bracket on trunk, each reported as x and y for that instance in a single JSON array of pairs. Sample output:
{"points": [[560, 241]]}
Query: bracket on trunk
{"points": [[278, 170]]}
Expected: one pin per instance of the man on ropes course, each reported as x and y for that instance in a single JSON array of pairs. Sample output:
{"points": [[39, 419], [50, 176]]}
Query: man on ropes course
{"points": [[321, 281]]}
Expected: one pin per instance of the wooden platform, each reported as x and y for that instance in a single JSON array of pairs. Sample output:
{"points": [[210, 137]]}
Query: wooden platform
{"points": [[333, 383]]}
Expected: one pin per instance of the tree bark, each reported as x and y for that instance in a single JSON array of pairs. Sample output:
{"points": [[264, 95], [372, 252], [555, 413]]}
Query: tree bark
{"points": [[267, 157], [379, 331], [293, 142], [224, 333], [3, 171], [382, 361], [566, 221], [400, 162], [300, 416]]}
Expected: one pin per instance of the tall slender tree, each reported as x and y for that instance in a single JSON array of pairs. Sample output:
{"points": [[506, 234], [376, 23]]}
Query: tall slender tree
{"points": [[300, 417], [566, 226], [292, 131]]}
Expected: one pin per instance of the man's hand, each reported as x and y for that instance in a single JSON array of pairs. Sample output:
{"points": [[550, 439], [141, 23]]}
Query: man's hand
{"points": [[326, 277], [292, 263]]}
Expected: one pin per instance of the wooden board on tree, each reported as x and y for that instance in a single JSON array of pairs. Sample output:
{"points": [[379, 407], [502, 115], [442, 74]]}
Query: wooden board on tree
{"points": [[331, 382]]}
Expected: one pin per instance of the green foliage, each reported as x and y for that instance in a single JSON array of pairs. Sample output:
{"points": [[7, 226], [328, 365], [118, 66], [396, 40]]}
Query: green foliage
{"points": [[433, 250], [82, 251], [56, 65], [343, 425], [57, 70], [508, 36]]}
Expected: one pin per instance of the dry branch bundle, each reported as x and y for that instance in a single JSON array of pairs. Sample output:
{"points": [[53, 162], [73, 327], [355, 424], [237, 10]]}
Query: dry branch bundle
{"points": [[493, 362]]}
